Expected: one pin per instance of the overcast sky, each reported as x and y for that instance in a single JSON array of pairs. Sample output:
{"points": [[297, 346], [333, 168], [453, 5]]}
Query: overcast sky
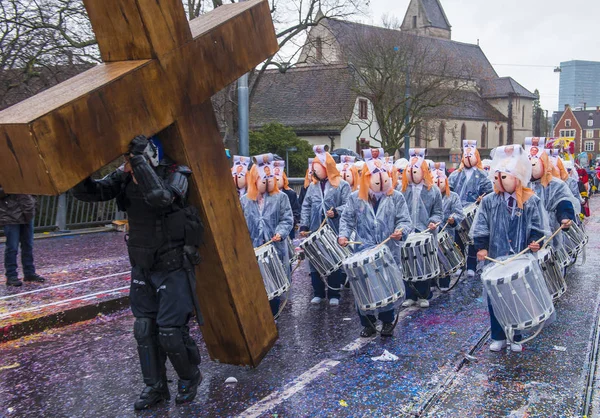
{"points": [[520, 32]]}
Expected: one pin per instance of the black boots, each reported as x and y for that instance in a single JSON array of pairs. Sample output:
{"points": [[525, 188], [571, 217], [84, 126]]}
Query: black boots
{"points": [[152, 395], [13, 281], [387, 330], [187, 389], [34, 278]]}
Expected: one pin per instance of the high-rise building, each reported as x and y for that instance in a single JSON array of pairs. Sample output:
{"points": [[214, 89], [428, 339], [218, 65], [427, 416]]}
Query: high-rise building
{"points": [[579, 84]]}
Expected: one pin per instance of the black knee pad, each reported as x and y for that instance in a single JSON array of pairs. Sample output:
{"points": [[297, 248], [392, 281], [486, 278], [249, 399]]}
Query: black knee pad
{"points": [[144, 330], [177, 341]]}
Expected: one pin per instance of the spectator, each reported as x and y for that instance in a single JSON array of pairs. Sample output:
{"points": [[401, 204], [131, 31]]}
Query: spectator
{"points": [[16, 215]]}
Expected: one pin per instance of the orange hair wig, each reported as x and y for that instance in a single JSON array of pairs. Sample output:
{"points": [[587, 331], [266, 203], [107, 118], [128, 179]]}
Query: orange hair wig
{"points": [[333, 175], [523, 194], [426, 176], [548, 167], [253, 178]]}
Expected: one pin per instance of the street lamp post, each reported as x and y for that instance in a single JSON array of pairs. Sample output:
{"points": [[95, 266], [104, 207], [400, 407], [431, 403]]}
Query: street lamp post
{"points": [[407, 117], [287, 157]]}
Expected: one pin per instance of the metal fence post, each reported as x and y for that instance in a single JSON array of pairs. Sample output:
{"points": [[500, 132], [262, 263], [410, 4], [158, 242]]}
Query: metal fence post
{"points": [[61, 213]]}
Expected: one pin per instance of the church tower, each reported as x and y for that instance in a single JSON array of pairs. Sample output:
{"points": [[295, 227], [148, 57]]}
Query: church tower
{"points": [[427, 18]]}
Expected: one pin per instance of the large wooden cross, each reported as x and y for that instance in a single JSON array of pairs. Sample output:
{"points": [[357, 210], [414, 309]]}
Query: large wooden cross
{"points": [[158, 76]]}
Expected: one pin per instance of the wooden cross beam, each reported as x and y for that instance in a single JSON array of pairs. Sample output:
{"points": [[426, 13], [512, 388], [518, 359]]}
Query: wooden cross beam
{"points": [[158, 77]]}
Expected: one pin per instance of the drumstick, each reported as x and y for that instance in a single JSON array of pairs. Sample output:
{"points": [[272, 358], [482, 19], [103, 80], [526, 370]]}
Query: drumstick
{"points": [[264, 245], [494, 260], [552, 237], [524, 251], [388, 239], [444, 227], [354, 242], [324, 220]]}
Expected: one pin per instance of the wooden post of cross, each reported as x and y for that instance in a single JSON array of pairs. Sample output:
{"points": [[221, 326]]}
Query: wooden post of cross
{"points": [[158, 76]]}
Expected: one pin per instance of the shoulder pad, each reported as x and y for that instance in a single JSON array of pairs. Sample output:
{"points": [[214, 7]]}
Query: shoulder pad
{"points": [[183, 169], [178, 183]]}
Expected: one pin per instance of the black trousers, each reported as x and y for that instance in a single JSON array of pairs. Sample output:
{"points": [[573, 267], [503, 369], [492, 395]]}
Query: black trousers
{"points": [[163, 296]]}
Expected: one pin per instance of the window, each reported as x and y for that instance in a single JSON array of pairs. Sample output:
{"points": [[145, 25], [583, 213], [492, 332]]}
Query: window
{"points": [[590, 122], [523, 116], [414, 22], [568, 123], [567, 133], [319, 47], [588, 146], [501, 136], [463, 132], [483, 136], [363, 109], [589, 133], [442, 135]]}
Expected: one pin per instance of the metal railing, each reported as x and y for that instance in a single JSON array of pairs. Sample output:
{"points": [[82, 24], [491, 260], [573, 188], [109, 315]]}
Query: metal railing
{"points": [[64, 212]]}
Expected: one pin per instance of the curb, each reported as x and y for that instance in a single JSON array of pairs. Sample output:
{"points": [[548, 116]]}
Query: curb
{"points": [[60, 319]]}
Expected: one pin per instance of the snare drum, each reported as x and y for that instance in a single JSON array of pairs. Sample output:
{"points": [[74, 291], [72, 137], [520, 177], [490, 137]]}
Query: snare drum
{"points": [[465, 226], [449, 255], [574, 239], [518, 294], [552, 271], [292, 251], [375, 278], [272, 270], [419, 258], [324, 252]]}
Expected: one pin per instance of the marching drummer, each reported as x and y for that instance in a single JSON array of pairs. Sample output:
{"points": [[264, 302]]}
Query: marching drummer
{"points": [[239, 171], [508, 221], [425, 207], [375, 213], [267, 211], [452, 207], [471, 183], [348, 171], [557, 199], [284, 186], [324, 201]]}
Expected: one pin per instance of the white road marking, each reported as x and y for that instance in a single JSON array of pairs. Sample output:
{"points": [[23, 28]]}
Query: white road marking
{"points": [[276, 398], [62, 302], [43, 289]]}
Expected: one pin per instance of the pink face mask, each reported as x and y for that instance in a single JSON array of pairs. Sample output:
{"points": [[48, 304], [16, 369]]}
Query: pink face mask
{"points": [[415, 175], [505, 182], [348, 177], [320, 171], [537, 168], [380, 182]]}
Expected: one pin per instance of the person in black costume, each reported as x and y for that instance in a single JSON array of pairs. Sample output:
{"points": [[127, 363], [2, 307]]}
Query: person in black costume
{"points": [[164, 233]]}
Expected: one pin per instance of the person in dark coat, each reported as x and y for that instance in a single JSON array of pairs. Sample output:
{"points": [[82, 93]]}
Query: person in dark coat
{"points": [[16, 216]]}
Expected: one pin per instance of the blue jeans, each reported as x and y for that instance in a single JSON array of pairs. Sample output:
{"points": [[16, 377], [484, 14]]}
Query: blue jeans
{"points": [[15, 234], [497, 330], [471, 256], [320, 290], [386, 317]]}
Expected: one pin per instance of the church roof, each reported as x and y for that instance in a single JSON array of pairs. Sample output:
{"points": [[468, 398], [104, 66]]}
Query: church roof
{"points": [[469, 55], [468, 105], [320, 100], [313, 98], [502, 87], [435, 14]]}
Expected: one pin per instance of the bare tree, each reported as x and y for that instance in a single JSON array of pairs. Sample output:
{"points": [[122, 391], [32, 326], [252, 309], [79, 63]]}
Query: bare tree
{"points": [[43, 42], [406, 78]]}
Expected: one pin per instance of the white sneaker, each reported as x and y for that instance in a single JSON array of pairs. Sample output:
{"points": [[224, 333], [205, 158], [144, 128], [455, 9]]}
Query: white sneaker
{"points": [[516, 347], [497, 345], [334, 302], [470, 273], [423, 303], [408, 302], [316, 300]]}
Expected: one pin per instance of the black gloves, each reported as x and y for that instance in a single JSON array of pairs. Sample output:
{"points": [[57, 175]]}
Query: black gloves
{"points": [[138, 145]]}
